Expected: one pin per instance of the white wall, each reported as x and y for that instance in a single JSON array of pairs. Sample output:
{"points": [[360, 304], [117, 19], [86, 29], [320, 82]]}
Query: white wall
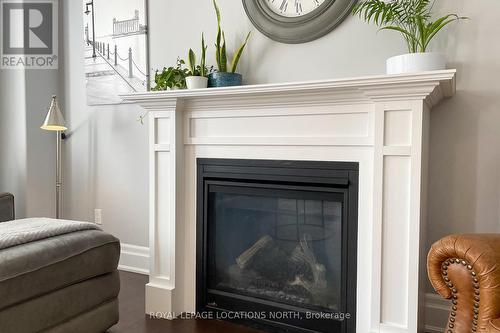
{"points": [[353, 49], [107, 156]]}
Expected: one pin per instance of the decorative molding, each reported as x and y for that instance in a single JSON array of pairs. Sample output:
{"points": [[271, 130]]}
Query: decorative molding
{"points": [[134, 259], [429, 86], [162, 147], [336, 126]]}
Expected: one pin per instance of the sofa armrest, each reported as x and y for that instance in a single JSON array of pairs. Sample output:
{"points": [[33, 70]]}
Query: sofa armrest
{"points": [[6, 207], [466, 269]]}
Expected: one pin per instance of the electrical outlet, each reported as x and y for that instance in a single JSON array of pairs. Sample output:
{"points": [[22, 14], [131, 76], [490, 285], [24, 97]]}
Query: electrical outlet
{"points": [[98, 216]]}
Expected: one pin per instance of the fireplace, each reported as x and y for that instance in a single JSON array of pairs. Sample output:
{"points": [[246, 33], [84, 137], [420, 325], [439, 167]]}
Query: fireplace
{"points": [[379, 122], [276, 243]]}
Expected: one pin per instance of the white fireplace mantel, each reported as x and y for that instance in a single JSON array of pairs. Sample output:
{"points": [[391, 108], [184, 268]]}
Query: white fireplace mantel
{"points": [[381, 122]]}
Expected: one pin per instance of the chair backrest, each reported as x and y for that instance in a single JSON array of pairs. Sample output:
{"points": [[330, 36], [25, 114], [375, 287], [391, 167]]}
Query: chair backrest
{"points": [[6, 207]]}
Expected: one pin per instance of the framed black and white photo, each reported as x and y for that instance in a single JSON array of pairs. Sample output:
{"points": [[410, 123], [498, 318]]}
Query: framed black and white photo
{"points": [[115, 39]]}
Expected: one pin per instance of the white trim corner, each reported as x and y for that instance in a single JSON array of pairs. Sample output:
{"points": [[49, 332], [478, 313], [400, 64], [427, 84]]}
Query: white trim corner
{"points": [[134, 259]]}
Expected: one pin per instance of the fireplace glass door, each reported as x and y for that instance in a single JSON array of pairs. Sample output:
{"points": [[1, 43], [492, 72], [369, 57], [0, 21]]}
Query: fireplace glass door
{"points": [[277, 240], [277, 244]]}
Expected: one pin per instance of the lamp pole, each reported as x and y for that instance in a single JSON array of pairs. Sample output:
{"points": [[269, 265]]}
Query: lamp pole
{"points": [[58, 173], [87, 12], [54, 121]]}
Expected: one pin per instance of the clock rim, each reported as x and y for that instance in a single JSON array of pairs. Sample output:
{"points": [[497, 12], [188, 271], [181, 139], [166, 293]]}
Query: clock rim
{"points": [[301, 29]]}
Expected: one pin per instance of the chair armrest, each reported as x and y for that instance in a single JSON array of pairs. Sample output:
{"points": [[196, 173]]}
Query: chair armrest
{"points": [[466, 269], [6, 207]]}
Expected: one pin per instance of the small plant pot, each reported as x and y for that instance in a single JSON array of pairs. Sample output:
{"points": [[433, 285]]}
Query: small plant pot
{"points": [[415, 62], [196, 82], [222, 79]]}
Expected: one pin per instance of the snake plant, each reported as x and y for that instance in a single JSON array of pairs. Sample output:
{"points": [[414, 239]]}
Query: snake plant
{"points": [[221, 49], [411, 18], [201, 69]]}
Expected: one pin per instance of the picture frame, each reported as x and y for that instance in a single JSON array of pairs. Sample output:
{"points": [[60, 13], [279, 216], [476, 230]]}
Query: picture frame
{"points": [[116, 49]]}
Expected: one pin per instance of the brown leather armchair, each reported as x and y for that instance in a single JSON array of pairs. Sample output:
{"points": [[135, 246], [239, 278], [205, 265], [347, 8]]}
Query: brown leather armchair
{"points": [[466, 269]]}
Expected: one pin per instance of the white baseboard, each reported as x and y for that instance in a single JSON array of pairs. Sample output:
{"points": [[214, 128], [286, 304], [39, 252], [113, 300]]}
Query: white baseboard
{"points": [[134, 259], [437, 310]]}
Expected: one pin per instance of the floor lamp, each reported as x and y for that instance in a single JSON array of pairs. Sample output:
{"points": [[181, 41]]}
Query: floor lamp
{"points": [[54, 121]]}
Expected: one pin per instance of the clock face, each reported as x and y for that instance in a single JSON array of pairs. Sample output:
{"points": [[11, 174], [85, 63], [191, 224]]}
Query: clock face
{"points": [[293, 8]]}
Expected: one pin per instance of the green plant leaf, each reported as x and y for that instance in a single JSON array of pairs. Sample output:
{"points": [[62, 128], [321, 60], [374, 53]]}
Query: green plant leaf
{"points": [[412, 18], [422, 32], [410, 36], [168, 77], [223, 55], [439, 24], [217, 11], [217, 55], [203, 71], [192, 61], [238, 53], [219, 37], [171, 77]]}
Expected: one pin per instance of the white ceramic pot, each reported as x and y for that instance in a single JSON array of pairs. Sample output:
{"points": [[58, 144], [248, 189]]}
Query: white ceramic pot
{"points": [[196, 82], [415, 62]]}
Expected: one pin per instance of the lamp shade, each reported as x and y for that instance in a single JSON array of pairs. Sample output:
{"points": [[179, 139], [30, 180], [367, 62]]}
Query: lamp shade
{"points": [[54, 121]]}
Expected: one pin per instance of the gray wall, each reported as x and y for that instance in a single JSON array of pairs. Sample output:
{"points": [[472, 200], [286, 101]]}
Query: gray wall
{"points": [[27, 153], [107, 153], [13, 164], [465, 130]]}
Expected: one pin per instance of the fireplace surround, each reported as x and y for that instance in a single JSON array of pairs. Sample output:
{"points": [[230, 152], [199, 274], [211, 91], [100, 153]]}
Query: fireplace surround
{"points": [[379, 122], [278, 236]]}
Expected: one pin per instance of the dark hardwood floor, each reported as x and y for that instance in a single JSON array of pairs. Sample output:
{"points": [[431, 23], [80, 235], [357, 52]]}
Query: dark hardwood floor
{"points": [[133, 319]]}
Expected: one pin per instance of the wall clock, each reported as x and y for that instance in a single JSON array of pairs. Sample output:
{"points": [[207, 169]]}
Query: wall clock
{"points": [[297, 21]]}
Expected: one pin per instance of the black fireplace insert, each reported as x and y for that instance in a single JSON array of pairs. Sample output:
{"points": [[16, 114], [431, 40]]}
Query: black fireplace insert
{"points": [[277, 243]]}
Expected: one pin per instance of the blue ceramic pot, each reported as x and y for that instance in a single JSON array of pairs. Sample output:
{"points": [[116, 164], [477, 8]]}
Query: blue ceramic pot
{"points": [[223, 79]]}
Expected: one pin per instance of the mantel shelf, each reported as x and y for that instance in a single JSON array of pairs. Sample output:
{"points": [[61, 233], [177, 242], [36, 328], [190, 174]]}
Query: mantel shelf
{"points": [[430, 86]]}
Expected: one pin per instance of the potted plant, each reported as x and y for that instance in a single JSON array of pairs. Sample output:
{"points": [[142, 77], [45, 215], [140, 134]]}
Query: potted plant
{"points": [[171, 77], [413, 19], [223, 78], [197, 74]]}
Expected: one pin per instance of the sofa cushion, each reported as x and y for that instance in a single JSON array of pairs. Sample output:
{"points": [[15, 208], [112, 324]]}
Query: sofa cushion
{"points": [[49, 310], [97, 320], [30, 270], [24, 231]]}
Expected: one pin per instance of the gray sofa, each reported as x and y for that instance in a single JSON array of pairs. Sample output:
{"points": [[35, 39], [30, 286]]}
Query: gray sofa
{"points": [[67, 283], [6, 207]]}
